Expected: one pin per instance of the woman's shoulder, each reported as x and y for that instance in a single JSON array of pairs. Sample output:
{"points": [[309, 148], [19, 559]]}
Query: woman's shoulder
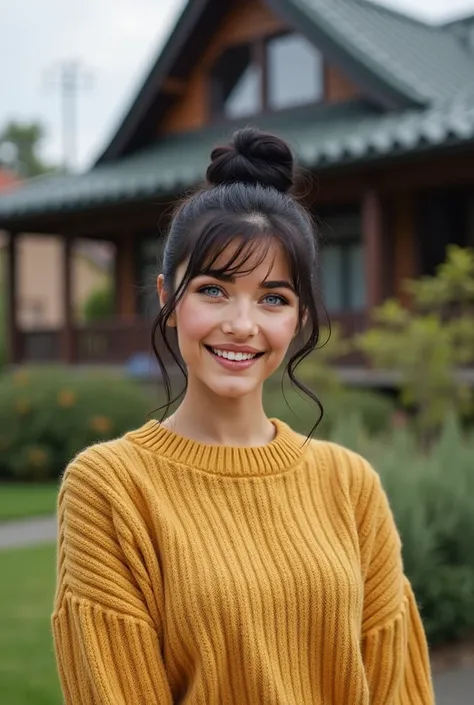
{"points": [[107, 466]]}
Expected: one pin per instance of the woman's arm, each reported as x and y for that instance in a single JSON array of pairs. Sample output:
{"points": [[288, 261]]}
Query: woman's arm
{"points": [[394, 646], [107, 615]]}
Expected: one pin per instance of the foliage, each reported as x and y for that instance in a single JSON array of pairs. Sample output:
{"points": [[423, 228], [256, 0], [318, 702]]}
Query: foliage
{"points": [[429, 343], [99, 304], [47, 415], [3, 313], [431, 494], [19, 146], [375, 410], [28, 671]]}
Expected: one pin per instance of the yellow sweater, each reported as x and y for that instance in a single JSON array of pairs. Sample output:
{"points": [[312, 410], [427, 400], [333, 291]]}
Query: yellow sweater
{"points": [[210, 575]]}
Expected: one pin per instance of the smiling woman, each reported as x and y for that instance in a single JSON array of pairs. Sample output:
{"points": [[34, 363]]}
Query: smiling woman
{"points": [[217, 556]]}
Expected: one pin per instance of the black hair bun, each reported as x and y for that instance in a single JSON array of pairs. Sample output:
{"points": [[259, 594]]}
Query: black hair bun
{"points": [[253, 157]]}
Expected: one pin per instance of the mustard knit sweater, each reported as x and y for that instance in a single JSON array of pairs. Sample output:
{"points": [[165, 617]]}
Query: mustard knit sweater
{"points": [[210, 575]]}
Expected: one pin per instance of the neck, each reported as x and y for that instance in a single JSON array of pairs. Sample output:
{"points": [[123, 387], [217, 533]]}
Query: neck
{"points": [[208, 418]]}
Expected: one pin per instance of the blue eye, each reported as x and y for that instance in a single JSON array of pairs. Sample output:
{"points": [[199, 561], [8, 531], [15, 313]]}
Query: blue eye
{"points": [[275, 300], [213, 291]]}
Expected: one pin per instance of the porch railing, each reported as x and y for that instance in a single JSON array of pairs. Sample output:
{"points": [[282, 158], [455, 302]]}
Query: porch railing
{"points": [[115, 342]]}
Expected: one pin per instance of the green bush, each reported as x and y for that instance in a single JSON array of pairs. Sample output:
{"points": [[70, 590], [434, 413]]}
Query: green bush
{"points": [[47, 415], [374, 409], [99, 304], [432, 497]]}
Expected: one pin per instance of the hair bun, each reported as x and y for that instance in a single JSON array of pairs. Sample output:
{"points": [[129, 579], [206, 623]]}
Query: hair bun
{"points": [[253, 157]]}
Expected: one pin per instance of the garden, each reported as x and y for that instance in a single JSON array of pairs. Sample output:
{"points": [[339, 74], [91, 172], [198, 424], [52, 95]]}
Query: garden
{"points": [[419, 437]]}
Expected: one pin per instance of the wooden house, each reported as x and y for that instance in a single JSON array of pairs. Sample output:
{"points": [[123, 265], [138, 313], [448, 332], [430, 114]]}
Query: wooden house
{"points": [[379, 108]]}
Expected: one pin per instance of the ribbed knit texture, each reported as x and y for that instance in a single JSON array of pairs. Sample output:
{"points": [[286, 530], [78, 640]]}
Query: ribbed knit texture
{"points": [[208, 575]]}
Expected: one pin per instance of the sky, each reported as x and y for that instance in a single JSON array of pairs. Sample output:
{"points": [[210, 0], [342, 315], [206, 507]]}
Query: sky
{"points": [[115, 43]]}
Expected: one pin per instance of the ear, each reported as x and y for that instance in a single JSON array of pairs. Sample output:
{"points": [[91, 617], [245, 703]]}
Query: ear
{"points": [[163, 296], [301, 324]]}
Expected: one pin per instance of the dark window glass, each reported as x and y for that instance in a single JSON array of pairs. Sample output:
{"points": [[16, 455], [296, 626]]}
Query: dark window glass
{"points": [[236, 83], [343, 270], [295, 72]]}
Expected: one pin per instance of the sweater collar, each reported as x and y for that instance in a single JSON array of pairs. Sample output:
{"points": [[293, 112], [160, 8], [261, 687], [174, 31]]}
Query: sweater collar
{"points": [[280, 454]]}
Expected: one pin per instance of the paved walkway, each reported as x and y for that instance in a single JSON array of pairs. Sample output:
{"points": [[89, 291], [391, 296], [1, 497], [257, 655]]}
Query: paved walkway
{"points": [[452, 688], [14, 534]]}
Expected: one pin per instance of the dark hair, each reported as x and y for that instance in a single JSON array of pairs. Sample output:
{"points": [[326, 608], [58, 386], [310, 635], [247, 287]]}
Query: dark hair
{"points": [[247, 197]]}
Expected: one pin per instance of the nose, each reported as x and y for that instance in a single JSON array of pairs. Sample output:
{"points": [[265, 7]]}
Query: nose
{"points": [[240, 322]]}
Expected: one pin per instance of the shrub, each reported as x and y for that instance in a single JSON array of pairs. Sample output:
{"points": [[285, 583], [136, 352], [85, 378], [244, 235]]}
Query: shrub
{"points": [[99, 304], [431, 494], [47, 415], [374, 409]]}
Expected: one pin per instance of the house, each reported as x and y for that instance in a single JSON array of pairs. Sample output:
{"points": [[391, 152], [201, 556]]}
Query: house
{"points": [[379, 108]]}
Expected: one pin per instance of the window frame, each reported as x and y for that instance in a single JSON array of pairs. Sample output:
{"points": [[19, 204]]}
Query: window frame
{"points": [[259, 55]]}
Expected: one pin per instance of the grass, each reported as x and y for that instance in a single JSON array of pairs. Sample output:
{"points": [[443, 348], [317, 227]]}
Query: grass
{"points": [[20, 501], [27, 665]]}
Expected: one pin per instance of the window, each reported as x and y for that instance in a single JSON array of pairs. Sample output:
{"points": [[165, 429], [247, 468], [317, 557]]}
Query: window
{"points": [[236, 83], [343, 275], [270, 74], [295, 72]]}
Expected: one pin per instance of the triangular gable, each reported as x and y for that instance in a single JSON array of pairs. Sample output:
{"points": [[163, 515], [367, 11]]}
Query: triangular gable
{"points": [[199, 20]]}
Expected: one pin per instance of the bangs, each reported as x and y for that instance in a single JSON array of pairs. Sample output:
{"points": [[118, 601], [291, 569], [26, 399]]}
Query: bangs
{"points": [[234, 249]]}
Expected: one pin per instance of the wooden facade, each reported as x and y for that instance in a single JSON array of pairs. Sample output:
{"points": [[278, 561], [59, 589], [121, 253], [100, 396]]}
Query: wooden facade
{"points": [[390, 201]]}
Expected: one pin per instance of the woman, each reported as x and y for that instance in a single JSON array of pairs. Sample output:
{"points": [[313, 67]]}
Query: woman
{"points": [[218, 557]]}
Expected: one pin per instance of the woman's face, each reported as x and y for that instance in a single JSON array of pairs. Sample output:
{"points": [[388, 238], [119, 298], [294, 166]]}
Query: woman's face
{"points": [[233, 333]]}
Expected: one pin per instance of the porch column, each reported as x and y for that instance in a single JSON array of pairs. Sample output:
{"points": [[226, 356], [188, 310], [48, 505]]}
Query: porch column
{"points": [[404, 244], [125, 292], [68, 348], [13, 333], [372, 230]]}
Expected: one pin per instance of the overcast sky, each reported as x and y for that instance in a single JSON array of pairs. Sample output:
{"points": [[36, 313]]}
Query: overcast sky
{"points": [[116, 41]]}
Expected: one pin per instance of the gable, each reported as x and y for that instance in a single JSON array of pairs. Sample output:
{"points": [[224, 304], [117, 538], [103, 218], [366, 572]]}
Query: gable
{"points": [[246, 21]]}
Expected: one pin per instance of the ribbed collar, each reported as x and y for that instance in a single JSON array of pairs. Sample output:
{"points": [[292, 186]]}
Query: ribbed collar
{"points": [[280, 454]]}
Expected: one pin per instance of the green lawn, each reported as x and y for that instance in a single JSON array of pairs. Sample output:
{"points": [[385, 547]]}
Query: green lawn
{"points": [[27, 666], [19, 501]]}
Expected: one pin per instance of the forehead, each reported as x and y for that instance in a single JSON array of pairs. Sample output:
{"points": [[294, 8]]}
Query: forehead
{"points": [[257, 260]]}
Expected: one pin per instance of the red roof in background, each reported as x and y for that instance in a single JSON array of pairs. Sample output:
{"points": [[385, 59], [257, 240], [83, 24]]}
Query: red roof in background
{"points": [[8, 180]]}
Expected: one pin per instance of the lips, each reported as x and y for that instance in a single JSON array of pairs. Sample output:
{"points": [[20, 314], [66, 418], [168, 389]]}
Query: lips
{"points": [[235, 355]]}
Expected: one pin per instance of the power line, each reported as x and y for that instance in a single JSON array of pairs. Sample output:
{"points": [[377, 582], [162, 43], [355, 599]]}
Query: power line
{"points": [[69, 76]]}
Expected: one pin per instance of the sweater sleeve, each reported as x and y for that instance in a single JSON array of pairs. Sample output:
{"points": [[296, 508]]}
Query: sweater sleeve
{"points": [[107, 617], [394, 647]]}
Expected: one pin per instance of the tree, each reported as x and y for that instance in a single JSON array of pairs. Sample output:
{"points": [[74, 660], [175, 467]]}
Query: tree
{"points": [[431, 342], [19, 149]]}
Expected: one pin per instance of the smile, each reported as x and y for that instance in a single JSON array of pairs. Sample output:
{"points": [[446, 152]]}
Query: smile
{"points": [[233, 357]]}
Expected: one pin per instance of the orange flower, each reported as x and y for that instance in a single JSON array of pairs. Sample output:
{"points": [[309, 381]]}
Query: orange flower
{"points": [[23, 406], [37, 457], [21, 378], [101, 424], [66, 398]]}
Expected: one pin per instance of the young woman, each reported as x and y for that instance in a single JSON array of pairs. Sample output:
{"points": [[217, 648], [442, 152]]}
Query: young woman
{"points": [[219, 558]]}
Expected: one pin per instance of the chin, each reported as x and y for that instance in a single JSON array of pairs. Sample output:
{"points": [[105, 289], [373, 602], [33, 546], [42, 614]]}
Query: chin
{"points": [[232, 389]]}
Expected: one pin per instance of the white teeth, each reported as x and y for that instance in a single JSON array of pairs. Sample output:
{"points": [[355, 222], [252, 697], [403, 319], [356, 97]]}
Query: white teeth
{"points": [[236, 356]]}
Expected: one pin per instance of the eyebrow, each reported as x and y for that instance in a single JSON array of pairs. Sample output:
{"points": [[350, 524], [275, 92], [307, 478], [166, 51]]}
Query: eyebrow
{"points": [[266, 284]]}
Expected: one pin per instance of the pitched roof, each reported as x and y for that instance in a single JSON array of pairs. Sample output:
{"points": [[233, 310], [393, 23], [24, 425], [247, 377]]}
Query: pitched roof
{"points": [[424, 68]]}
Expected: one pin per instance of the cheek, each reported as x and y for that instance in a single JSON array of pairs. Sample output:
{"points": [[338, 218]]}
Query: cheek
{"points": [[283, 330], [194, 321]]}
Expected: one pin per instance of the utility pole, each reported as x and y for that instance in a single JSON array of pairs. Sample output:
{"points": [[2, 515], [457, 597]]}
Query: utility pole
{"points": [[70, 76]]}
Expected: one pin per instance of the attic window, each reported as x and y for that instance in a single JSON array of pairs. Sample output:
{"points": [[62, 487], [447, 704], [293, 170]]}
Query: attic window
{"points": [[236, 83], [295, 72], [271, 73]]}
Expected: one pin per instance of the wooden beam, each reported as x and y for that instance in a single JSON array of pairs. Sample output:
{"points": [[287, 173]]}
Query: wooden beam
{"points": [[404, 244], [13, 334], [68, 342], [372, 230], [125, 284]]}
